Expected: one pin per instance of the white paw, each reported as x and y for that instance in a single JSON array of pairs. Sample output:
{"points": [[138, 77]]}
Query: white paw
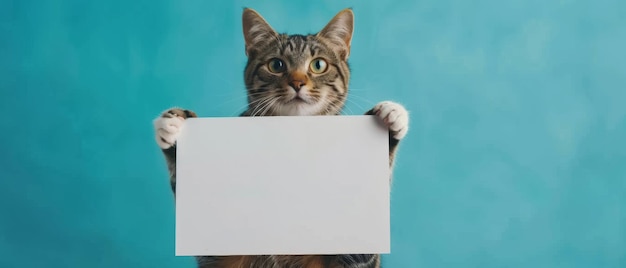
{"points": [[395, 117], [167, 128]]}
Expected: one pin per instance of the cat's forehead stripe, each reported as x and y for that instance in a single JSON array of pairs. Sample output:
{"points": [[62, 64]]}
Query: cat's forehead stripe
{"points": [[298, 44]]}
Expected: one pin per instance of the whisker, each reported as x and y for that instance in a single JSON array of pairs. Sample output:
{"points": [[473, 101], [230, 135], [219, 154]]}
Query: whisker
{"points": [[356, 104], [269, 106], [348, 109], [327, 104], [223, 103], [254, 105], [363, 99], [237, 97], [238, 111], [360, 90], [331, 107], [261, 105], [229, 94]]}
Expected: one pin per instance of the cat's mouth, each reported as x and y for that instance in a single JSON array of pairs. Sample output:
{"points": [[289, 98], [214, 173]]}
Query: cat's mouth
{"points": [[297, 99]]}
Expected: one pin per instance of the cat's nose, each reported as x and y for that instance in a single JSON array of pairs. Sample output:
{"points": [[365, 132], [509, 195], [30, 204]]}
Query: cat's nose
{"points": [[297, 80], [296, 84]]}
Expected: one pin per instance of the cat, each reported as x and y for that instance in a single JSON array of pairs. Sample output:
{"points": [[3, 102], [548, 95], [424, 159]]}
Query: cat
{"points": [[291, 75]]}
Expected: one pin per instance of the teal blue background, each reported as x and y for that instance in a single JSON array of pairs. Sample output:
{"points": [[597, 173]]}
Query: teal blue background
{"points": [[516, 155]]}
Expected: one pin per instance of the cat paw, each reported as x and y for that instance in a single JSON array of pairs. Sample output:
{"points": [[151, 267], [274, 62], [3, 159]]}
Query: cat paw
{"points": [[395, 117], [168, 126]]}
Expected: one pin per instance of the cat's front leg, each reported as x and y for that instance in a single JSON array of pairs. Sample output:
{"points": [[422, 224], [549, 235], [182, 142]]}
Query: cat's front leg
{"points": [[167, 129], [396, 118]]}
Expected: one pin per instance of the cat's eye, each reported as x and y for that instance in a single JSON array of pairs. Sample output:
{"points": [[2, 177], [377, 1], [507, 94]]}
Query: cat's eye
{"points": [[276, 65], [318, 66]]}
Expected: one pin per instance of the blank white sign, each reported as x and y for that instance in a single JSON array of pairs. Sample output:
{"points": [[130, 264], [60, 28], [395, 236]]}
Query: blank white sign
{"points": [[282, 185]]}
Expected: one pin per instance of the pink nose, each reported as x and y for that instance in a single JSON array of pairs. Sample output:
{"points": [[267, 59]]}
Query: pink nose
{"points": [[297, 80], [296, 84]]}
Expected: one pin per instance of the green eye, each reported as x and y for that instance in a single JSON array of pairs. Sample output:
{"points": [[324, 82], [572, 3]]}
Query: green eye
{"points": [[276, 66], [318, 66]]}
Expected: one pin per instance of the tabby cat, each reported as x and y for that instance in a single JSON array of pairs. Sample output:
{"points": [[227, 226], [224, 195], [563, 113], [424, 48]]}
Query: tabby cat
{"points": [[291, 75]]}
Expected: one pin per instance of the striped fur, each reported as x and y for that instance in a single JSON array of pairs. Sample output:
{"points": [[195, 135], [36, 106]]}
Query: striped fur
{"points": [[292, 261], [298, 88], [272, 93]]}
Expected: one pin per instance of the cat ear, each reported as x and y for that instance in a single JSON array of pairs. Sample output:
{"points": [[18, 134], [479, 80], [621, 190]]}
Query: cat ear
{"points": [[339, 31], [255, 29]]}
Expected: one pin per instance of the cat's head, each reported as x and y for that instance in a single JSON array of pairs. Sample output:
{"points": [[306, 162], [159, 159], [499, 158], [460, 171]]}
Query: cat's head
{"points": [[297, 74]]}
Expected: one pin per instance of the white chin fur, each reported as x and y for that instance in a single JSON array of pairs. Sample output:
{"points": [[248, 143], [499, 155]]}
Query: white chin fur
{"points": [[299, 109]]}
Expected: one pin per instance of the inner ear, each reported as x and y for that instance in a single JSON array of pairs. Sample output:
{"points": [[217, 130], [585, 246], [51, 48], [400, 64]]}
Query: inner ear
{"points": [[256, 31], [339, 31]]}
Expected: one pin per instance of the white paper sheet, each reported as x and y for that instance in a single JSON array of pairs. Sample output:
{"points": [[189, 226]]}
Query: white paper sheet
{"points": [[282, 185]]}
